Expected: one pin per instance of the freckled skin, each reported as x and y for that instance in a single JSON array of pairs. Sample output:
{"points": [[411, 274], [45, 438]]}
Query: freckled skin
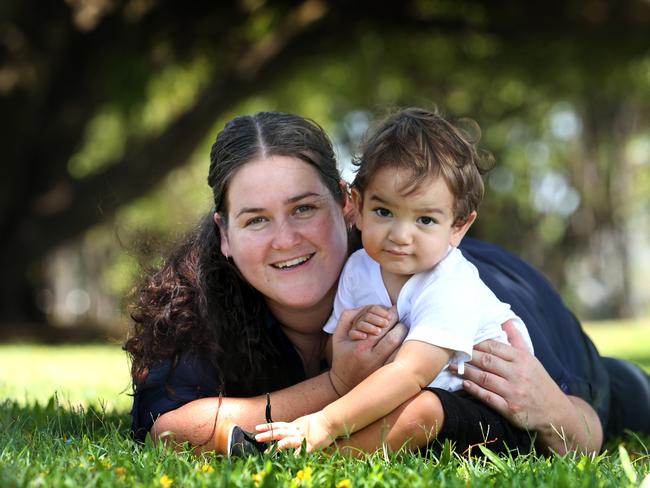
{"points": [[279, 211]]}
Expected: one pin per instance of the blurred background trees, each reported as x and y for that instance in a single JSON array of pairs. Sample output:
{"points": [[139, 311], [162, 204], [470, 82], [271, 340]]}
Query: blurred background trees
{"points": [[109, 109]]}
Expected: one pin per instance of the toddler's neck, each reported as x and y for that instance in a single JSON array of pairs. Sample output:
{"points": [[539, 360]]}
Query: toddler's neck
{"points": [[393, 283]]}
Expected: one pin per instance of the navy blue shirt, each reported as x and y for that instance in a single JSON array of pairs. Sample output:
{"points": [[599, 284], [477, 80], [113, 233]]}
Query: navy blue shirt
{"points": [[560, 344]]}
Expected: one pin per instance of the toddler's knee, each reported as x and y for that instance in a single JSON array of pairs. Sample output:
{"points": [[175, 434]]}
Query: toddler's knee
{"points": [[427, 413]]}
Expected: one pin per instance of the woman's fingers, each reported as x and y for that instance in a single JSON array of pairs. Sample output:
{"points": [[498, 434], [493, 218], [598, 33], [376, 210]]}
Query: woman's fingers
{"points": [[488, 397], [486, 381], [497, 349], [391, 341], [514, 336], [485, 360]]}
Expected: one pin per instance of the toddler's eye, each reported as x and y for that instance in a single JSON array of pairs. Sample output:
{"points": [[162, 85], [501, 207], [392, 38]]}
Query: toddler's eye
{"points": [[382, 212], [426, 220]]}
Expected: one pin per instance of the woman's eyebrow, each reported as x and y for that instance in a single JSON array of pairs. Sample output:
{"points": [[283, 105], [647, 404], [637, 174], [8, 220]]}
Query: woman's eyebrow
{"points": [[295, 199], [301, 196]]}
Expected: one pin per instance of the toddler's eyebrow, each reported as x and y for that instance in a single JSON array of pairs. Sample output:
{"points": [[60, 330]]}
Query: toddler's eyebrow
{"points": [[378, 199], [434, 210], [431, 210]]}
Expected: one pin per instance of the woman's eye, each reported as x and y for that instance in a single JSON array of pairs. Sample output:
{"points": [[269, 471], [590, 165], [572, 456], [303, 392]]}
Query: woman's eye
{"points": [[382, 212], [303, 209], [426, 220], [255, 221]]}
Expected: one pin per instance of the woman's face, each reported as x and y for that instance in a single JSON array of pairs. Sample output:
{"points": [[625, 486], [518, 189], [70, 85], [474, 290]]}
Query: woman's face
{"points": [[285, 232]]}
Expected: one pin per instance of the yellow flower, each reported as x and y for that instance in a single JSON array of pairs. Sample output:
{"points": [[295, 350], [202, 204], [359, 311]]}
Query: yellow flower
{"points": [[346, 483], [206, 468], [258, 478], [166, 481], [106, 464], [120, 472], [304, 474]]}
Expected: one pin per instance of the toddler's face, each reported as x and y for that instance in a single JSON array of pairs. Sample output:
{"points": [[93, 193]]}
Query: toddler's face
{"points": [[407, 233]]}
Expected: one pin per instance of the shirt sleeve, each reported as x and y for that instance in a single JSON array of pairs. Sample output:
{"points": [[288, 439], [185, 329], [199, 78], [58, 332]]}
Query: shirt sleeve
{"points": [[167, 388], [440, 316]]}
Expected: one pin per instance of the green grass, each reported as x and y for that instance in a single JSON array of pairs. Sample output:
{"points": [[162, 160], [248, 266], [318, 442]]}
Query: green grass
{"points": [[54, 446], [79, 437]]}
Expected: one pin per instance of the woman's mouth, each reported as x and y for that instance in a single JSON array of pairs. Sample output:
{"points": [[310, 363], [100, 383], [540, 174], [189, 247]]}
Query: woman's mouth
{"points": [[292, 263]]}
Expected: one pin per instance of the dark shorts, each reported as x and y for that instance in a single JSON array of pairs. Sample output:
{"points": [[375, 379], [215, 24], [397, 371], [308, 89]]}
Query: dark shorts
{"points": [[470, 423]]}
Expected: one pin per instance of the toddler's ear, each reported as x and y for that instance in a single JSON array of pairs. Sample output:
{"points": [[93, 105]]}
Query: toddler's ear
{"points": [[357, 203], [460, 228]]}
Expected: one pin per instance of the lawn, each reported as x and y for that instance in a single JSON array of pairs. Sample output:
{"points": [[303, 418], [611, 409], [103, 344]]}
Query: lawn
{"points": [[64, 422]]}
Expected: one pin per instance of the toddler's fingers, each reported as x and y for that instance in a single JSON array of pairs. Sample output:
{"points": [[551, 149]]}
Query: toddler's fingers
{"points": [[272, 425], [367, 328], [357, 335], [289, 443], [374, 319], [277, 434]]}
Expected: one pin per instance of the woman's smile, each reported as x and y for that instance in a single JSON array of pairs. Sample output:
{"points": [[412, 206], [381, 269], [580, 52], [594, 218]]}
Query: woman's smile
{"points": [[285, 232], [292, 263]]}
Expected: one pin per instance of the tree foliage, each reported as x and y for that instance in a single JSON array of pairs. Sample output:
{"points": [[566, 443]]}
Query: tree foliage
{"points": [[103, 99]]}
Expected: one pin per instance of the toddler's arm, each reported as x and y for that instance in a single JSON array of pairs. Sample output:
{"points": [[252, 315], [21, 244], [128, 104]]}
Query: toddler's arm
{"points": [[415, 366]]}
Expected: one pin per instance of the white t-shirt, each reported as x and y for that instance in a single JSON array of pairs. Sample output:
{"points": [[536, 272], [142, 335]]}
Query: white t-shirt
{"points": [[448, 306]]}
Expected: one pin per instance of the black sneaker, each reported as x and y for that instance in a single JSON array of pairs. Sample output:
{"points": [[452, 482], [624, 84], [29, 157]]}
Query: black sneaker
{"points": [[242, 443]]}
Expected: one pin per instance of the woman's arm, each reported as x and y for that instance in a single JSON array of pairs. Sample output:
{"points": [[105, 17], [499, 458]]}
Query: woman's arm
{"points": [[514, 383], [205, 423], [415, 366]]}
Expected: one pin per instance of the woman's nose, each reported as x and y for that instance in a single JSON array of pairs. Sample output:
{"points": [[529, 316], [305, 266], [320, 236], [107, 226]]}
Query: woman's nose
{"points": [[286, 236]]}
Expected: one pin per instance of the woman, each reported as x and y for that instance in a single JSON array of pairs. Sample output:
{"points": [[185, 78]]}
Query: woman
{"points": [[236, 312]]}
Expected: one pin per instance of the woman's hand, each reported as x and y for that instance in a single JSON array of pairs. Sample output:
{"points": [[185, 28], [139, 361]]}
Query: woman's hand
{"points": [[354, 360], [512, 381]]}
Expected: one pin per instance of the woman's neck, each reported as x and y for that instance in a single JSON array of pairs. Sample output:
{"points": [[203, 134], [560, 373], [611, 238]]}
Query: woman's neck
{"points": [[304, 328]]}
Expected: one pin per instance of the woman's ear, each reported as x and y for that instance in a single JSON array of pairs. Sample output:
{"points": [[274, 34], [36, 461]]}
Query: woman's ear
{"points": [[357, 202], [223, 233], [460, 228]]}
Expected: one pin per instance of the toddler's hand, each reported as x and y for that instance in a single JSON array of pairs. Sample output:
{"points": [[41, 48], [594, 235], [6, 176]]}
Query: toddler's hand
{"points": [[372, 320], [313, 428]]}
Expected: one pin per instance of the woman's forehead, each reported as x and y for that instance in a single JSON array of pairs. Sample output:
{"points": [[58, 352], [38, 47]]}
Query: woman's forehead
{"points": [[275, 180]]}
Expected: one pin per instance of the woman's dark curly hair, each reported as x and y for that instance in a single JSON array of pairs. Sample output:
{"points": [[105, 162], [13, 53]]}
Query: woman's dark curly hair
{"points": [[197, 302]]}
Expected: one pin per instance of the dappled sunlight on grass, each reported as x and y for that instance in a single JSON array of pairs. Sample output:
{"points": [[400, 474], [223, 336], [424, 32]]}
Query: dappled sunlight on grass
{"points": [[627, 339], [79, 375], [98, 375]]}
